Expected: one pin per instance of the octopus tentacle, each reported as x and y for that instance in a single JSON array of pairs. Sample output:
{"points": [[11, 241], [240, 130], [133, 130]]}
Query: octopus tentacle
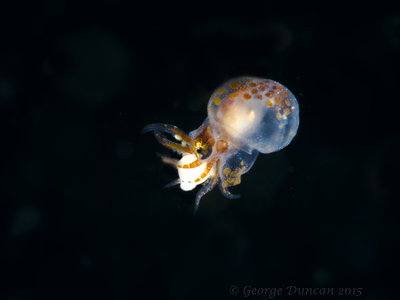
{"points": [[206, 188]]}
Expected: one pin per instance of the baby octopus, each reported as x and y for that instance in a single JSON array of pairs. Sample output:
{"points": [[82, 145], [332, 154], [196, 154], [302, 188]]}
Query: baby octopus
{"points": [[246, 115]]}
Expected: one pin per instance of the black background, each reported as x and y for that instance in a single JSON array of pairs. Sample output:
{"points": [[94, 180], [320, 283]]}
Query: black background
{"points": [[82, 210]]}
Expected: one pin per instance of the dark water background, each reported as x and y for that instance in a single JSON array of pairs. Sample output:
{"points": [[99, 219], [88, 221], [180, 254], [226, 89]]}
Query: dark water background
{"points": [[83, 214]]}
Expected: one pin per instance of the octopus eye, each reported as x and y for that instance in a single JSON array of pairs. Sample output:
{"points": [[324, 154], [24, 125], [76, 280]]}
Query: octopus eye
{"points": [[202, 149], [203, 154]]}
